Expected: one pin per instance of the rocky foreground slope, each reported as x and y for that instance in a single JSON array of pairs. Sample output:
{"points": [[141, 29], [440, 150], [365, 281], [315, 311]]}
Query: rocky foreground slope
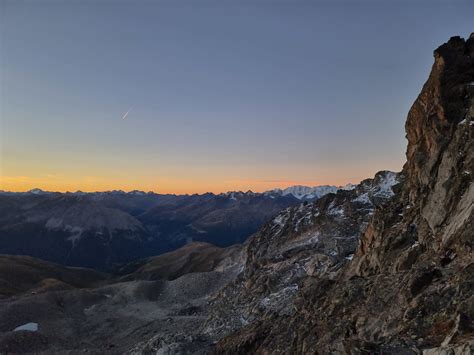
{"points": [[409, 286]]}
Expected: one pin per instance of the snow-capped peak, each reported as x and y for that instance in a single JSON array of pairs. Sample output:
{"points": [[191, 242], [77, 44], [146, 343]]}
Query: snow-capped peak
{"points": [[308, 192], [348, 187], [37, 192], [137, 193]]}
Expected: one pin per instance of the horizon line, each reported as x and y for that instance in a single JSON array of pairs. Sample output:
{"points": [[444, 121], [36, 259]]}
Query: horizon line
{"points": [[169, 193]]}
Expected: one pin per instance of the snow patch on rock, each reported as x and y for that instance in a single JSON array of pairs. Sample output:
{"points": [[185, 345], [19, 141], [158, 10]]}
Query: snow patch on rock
{"points": [[28, 327]]}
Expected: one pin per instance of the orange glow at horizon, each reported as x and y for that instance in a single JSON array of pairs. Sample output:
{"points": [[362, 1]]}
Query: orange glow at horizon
{"points": [[61, 172], [24, 183], [172, 185]]}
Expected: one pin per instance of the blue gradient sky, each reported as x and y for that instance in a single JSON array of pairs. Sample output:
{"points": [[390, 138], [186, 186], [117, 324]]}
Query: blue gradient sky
{"points": [[226, 94]]}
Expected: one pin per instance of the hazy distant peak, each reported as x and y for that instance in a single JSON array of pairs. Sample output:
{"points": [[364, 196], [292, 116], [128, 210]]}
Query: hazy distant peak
{"points": [[37, 191]]}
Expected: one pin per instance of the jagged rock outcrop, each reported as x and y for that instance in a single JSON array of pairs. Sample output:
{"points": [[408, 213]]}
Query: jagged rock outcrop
{"points": [[409, 286]]}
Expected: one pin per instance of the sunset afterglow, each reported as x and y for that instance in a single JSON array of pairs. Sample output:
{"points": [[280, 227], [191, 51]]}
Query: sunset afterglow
{"points": [[174, 99]]}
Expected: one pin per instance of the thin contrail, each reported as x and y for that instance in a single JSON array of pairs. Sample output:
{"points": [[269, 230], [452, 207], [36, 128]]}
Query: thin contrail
{"points": [[126, 113]]}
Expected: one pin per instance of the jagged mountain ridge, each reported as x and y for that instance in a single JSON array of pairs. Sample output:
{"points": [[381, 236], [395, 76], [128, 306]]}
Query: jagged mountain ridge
{"points": [[300, 192], [409, 286]]}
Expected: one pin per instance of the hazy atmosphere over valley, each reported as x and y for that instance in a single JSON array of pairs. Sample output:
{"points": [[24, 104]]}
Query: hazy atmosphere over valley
{"points": [[237, 177]]}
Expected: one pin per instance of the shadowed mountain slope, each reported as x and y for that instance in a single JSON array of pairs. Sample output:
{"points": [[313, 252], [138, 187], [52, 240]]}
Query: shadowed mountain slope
{"points": [[20, 274], [193, 257]]}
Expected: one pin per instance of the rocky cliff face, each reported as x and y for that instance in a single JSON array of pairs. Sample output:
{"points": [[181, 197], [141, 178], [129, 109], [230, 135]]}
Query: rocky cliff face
{"points": [[409, 285]]}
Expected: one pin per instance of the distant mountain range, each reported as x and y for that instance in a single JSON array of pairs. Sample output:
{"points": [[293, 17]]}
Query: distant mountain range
{"points": [[101, 229], [300, 192]]}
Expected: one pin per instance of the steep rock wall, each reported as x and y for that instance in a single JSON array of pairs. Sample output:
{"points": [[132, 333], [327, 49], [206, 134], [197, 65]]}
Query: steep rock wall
{"points": [[409, 285]]}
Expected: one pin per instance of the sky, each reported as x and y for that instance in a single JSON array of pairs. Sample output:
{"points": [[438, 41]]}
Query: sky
{"points": [[221, 95]]}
